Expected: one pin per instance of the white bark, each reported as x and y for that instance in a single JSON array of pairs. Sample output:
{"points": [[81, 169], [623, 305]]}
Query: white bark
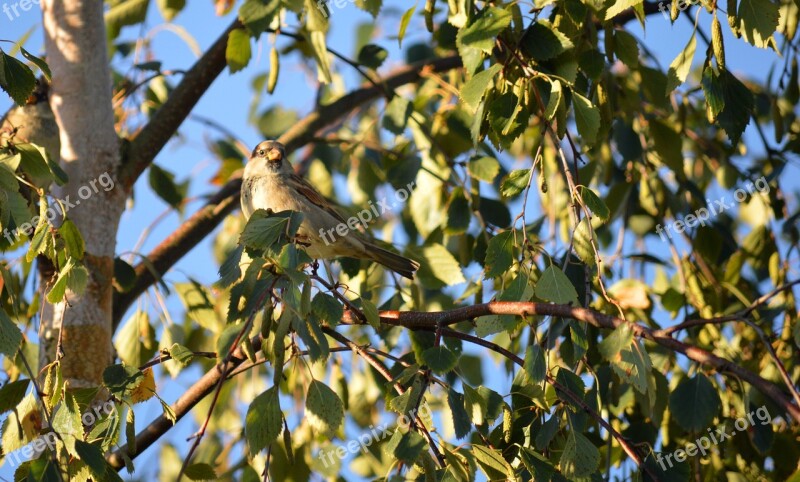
{"points": [[81, 92]]}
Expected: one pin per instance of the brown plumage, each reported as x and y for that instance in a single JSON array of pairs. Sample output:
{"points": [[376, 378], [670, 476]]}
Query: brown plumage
{"points": [[270, 183]]}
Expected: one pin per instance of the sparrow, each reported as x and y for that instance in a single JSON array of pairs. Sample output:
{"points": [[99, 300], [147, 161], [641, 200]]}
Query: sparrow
{"points": [[270, 183]]}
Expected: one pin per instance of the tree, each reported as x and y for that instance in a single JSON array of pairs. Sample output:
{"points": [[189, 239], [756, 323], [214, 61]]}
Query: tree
{"points": [[610, 238]]}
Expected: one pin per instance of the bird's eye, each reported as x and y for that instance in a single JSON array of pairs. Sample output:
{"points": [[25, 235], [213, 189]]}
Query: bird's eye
{"points": [[261, 152]]}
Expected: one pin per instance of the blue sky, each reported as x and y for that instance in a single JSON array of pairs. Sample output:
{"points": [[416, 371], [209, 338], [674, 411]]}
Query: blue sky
{"points": [[228, 102]]}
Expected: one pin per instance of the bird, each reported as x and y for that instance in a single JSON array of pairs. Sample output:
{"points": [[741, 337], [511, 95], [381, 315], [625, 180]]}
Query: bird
{"points": [[270, 183]]}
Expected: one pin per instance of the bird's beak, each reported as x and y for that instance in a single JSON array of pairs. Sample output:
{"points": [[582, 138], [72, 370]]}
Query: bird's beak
{"points": [[274, 155]]}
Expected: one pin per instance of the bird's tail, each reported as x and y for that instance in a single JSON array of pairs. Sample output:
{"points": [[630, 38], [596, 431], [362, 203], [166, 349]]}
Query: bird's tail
{"points": [[399, 264]]}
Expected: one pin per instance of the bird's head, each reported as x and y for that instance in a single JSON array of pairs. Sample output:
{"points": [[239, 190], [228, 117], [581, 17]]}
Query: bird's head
{"points": [[270, 156]]}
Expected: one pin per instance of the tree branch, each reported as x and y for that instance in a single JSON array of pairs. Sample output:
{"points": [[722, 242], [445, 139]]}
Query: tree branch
{"points": [[416, 320], [202, 222], [577, 400], [155, 135], [191, 397]]}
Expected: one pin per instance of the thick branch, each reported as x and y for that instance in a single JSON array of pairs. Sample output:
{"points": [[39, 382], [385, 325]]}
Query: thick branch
{"points": [[416, 320], [201, 223], [194, 395], [177, 244], [155, 135]]}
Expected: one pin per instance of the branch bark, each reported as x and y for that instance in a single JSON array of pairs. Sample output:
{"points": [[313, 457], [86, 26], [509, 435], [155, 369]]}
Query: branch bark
{"points": [[191, 397], [81, 99], [155, 135], [429, 321], [201, 223]]}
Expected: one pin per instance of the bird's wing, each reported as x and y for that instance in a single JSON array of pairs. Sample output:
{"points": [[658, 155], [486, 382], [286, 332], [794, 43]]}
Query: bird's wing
{"points": [[308, 191]]}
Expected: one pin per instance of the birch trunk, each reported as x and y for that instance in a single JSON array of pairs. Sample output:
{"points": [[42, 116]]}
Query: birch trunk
{"points": [[81, 98]]}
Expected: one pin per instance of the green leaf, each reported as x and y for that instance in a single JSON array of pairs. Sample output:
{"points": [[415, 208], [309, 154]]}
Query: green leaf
{"points": [[124, 13], [730, 101], [405, 447], [538, 466], [492, 463], [41, 64], [482, 32], [319, 47], [264, 421], [515, 183], [163, 184], [12, 393], [593, 202], [67, 423], [583, 242], [620, 339], [553, 285], [474, 89], [237, 52], [33, 162], [324, 408], [535, 364], [124, 275], [200, 472], [92, 456], [327, 308], [461, 420], [627, 48], [579, 458], [484, 168], [620, 6], [543, 41], [264, 231], [668, 145], [556, 94], [171, 8], [373, 7], [441, 265], [758, 20], [404, 24], [40, 241], [371, 312], [59, 288], [372, 56], [694, 403], [500, 254], [587, 117], [181, 354], [398, 111], [459, 213], [257, 15], [72, 239], [16, 79], [128, 342], [680, 67], [121, 378], [439, 359]]}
